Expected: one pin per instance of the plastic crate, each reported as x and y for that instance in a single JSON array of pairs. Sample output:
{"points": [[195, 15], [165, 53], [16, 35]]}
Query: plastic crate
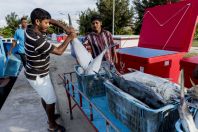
{"points": [[137, 117], [2, 65], [12, 66], [91, 85]]}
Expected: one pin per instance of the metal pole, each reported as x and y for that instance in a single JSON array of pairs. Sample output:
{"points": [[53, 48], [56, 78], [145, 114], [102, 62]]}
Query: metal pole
{"points": [[113, 17]]}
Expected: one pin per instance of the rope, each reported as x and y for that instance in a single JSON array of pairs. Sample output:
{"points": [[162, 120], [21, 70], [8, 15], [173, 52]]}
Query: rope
{"points": [[163, 24]]}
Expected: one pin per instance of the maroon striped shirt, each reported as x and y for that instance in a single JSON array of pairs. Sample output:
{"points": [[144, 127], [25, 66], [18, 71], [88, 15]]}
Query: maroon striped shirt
{"points": [[98, 42]]}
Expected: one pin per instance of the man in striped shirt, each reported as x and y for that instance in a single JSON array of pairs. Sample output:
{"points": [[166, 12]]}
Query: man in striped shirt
{"points": [[37, 51], [99, 39]]}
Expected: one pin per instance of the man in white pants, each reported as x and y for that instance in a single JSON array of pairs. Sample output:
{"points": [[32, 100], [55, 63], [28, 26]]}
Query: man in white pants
{"points": [[37, 51]]}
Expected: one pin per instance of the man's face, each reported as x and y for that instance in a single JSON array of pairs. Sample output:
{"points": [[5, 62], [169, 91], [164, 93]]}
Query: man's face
{"points": [[96, 25], [24, 23], [43, 25]]}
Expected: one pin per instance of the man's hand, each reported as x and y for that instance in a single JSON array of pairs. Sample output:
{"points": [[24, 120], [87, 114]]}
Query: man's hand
{"points": [[14, 42], [61, 48], [69, 30], [195, 72], [71, 36], [88, 47], [9, 53], [115, 59]]}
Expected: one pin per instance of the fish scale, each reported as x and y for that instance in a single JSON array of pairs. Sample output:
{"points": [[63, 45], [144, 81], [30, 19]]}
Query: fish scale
{"points": [[151, 90], [165, 88]]}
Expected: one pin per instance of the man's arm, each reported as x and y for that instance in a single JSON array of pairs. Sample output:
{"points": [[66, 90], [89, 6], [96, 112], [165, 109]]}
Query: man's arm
{"points": [[67, 29], [114, 54], [60, 49], [115, 57], [12, 46], [14, 42]]}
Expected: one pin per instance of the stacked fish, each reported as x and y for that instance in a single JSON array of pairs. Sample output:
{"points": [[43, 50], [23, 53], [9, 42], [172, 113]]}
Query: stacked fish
{"points": [[154, 91], [187, 120]]}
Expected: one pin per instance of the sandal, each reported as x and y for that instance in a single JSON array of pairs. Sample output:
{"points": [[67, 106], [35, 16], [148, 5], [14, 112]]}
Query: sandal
{"points": [[59, 128]]}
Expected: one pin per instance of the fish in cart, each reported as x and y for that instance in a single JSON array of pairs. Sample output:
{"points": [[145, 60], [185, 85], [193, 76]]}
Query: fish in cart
{"points": [[193, 94], [84, 58], [154, 91], [109, 81], [78, 51], [186, 117]]}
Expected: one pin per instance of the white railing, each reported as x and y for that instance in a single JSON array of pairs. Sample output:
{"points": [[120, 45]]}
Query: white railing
{"points": [[7, 40]]}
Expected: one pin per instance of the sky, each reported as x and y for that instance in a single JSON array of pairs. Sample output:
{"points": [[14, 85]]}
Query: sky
{"points": [[57, 8]]}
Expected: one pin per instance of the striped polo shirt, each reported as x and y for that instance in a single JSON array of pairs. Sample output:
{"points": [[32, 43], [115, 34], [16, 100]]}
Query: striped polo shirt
{"points": [[99, 42], [37, 51]]}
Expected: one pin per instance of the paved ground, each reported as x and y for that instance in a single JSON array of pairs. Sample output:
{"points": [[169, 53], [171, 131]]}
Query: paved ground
{"points": [[59, 65], [23, 112]]}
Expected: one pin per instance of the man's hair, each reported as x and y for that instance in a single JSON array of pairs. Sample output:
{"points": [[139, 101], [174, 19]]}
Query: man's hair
{"points": [[39, 14], [96, 17], [23, 18]]}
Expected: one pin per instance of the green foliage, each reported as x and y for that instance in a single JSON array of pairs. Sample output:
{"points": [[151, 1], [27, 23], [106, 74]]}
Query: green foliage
{"points": [[6, 32], [139, 8], [12, 21], [85, 21], [123, 16], [190, 54], [196, 34], [123, 31], [51, 30]]}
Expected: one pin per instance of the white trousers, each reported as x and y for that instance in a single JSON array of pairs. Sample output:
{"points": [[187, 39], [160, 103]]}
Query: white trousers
{"points": [[44, 88]]}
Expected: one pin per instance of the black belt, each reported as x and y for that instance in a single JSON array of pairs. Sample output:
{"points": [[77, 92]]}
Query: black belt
{"points": [[34, 77]]}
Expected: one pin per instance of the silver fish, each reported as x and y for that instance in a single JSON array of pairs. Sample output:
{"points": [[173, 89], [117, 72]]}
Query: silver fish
{"points": [[80, 52], [196, 118], [184, 113], [83, 57], [193, 91], [124, 94], [95, 64], [108, 81], [138, 90], [70, 22], [152, 90]]}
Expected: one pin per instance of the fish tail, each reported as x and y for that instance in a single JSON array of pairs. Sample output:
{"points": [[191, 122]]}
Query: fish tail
{"points": [[193, 84], [182, 87]]}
